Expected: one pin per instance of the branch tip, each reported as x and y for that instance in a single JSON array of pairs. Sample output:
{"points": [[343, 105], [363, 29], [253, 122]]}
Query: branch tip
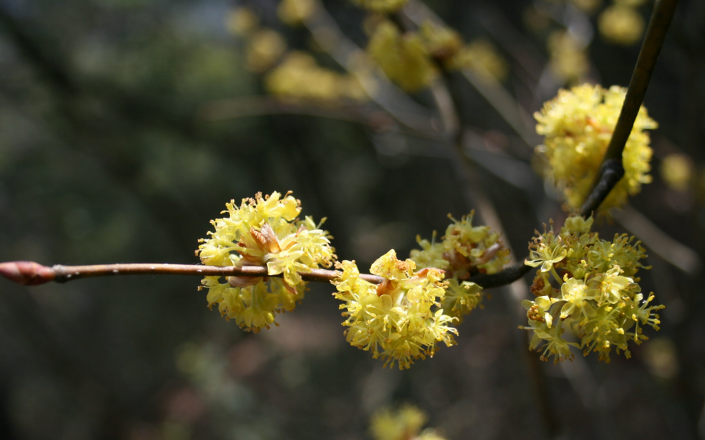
{"points": [[27, 273]]}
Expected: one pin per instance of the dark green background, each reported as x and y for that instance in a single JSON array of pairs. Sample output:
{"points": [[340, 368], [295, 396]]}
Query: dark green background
{"points": [[104, 158]]}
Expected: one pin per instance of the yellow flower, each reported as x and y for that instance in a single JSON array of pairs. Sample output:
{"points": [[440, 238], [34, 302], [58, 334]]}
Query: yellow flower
{"points": [[461, 298], [466, 250], [577, 126], [263, 231], [399, 319]]}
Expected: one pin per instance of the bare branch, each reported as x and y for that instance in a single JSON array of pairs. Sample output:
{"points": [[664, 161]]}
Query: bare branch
{"points": [[612, 167], [30, 273]]}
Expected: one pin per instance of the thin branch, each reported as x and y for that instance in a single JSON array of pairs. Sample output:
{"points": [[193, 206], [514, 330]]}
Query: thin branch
{"points": [[30, 273], [612, 167]]}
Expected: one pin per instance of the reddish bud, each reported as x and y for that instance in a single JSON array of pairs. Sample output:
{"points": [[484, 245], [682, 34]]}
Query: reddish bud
{"points": [[27, 273]]}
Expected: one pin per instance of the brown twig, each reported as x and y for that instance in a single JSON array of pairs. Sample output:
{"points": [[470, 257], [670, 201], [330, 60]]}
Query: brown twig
{"points": [[612, 168], [30, 273]]}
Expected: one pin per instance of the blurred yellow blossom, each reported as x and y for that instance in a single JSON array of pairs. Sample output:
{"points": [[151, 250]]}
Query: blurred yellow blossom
{"points": [[568, 60], [264, 48], [294, 12], [441, 42], [264, 231], [402, 424], [621, 25], [400, 319], [481, 56], [298, 76], [242, 21], [577, 126], [677, 171], [403, 58]]}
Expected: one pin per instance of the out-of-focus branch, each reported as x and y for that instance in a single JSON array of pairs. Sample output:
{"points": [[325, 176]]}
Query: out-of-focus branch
{"points": [[658, 242], [49, 66], [493, 92], [332, 40], [243, 107]]}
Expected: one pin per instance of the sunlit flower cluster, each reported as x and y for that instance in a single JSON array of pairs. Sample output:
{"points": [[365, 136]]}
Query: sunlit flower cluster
{"points": [[577, 126], [465, 250], [400, 319], [590, 286], [264, 231], [402, 424], [299, 77]]}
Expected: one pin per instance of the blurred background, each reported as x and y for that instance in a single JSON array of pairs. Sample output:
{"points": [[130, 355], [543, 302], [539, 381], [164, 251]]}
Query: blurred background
{"points": [[126, 125]]}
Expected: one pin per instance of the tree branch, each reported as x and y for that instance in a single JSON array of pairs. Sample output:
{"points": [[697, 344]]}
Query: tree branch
{"points": [[30, 273], [612, 167]]}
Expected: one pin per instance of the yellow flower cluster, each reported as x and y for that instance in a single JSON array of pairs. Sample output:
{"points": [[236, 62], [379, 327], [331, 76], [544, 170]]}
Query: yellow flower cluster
{"points": [[411, 59], [577, 126], [465, 250], [589, 285], [299, 77], [264, 231], [400, 319], [402, 424]]}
